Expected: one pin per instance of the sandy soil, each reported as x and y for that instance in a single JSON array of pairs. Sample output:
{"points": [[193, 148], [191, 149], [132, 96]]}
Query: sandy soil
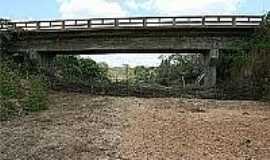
{"points": [[85, 127]]}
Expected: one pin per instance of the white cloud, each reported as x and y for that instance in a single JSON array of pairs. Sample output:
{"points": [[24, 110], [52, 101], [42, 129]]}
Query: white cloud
{"points": [[120, 8], [115, 60], [176, 7], [90, 8]]}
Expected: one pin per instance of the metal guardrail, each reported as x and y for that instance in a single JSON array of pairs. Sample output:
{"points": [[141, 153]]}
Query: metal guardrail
{"points": [[184, 21]]}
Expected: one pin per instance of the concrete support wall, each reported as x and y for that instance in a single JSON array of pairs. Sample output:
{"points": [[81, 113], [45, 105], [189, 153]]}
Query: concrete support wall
{"points": [[1, 52], [46, 62], [1, 46], [210, 61], [5, 42]]}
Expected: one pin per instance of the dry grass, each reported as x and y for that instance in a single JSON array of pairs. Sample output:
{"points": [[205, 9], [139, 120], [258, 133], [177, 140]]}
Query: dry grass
{"points": [[86, 127], [197, 130]]}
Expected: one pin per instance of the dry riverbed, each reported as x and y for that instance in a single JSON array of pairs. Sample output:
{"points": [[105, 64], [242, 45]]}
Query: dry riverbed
{"points": [[85, 127]]}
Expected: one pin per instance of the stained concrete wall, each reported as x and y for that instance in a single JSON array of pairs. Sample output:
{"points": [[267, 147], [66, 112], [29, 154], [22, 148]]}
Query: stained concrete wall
{"points": [[133, 40], [1, 45], [1, 40], [209, 61], [6, 38], [46, 60]]}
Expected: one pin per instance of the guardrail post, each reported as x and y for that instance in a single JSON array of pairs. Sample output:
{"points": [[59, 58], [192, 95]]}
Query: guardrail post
{"points": [[174, 21], [144, 22], [263, 20], [89, 24], [203, 21], [234, 21], [116, 23], [63, 25], [14, 25], [38, 26]]}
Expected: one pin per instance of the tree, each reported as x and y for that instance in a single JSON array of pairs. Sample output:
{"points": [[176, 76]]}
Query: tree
{"points": [[73, 69], [175, 67], [144, 74], [250, 66], [104, 66]]}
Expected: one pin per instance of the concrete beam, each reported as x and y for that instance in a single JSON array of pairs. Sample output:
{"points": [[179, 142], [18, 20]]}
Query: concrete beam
{"points": [[129, 41]]}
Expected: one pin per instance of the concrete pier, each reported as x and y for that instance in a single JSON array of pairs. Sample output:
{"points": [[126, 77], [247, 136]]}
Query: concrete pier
{"points": [[210, 60]]}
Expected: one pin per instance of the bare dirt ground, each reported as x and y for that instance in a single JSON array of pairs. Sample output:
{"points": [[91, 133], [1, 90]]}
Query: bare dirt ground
{"points": [[85, 127]]}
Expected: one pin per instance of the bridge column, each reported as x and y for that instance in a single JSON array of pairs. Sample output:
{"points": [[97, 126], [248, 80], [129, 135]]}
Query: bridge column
{"points": [[210, 60], [46, 61], [1, 46], [1, 53]]}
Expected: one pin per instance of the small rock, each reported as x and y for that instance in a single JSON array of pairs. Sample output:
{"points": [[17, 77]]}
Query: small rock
{"points": [[245, 113]]}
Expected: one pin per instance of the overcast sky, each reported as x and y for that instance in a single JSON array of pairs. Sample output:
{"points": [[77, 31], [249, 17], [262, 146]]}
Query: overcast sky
{"points": [[55, 9]]}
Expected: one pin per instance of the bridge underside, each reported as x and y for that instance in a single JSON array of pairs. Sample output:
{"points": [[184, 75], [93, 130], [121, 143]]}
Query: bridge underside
{"points": [[209, 58], [121, 51], [207, 41], [131, 40]]}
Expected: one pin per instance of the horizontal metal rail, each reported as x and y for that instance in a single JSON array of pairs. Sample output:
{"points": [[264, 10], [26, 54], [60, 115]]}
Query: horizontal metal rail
{"points": [[183, 21]]}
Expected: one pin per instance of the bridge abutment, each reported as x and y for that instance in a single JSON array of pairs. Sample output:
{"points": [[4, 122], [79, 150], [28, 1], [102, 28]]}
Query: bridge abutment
{"points": [[2, 46], [46, 61], [210, 60]]}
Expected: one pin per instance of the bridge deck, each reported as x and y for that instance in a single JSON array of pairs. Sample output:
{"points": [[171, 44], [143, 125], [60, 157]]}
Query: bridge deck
{"points": [[226, 21]]}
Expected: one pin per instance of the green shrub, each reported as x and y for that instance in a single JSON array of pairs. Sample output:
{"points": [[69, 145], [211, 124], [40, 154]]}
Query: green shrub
{"points": [[71, 69], [8, 109], [9, 91], [18, 95], [36, 98], [9, 83]]}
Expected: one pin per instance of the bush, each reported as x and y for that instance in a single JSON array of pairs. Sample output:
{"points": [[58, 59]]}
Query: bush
{"points": [[18, 95], [71, 69], [8, 93], [8, 109], [36, 98], [9, 83]]}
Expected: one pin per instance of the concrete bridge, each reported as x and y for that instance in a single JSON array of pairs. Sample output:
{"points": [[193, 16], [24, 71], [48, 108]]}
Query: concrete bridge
{"points": [[186, 34]]}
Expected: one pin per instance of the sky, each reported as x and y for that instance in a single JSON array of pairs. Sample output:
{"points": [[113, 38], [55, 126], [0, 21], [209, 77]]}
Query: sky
{"points": [[57, 9]]}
